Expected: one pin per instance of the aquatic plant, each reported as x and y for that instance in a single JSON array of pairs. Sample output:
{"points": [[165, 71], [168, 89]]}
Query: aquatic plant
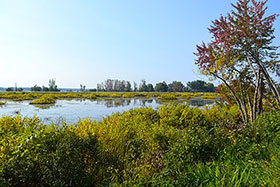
{"points": [[167, 96], [45, 99]]}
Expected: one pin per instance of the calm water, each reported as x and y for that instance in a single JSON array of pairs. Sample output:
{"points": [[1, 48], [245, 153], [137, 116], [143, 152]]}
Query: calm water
{"points": [[72, 110]]}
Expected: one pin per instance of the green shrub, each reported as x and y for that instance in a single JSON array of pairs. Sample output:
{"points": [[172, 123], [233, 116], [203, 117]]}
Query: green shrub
{"points": [[181, 116], [49, 156], [167, 97], [45, 99]]}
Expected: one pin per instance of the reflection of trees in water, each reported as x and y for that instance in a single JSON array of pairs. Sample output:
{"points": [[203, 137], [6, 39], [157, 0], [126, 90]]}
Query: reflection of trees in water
{"points": [[199, 102], [143, 102], [109, 103]]}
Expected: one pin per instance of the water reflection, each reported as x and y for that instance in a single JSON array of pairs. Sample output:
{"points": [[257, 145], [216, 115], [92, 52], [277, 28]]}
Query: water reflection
{"points": [[72, 110], [44, 106], [200, 102], [110, 103]]}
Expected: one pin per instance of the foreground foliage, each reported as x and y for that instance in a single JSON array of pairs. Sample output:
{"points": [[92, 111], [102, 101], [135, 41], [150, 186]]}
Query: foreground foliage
{"points": [[173, 146]]}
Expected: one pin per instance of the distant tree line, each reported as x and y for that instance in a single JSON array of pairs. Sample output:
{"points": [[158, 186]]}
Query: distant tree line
{"points": [[11, 89], [111, 85], [52, 87], [114, 85]]}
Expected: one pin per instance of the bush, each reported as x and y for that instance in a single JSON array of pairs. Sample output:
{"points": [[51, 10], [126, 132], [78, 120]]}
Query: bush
{"points": [[167, 97], [49, 156], [45, 99], [181, 116]]}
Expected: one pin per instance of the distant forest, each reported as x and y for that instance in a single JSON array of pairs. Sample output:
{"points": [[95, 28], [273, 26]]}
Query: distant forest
{"points": [[114, 85], [176, 86]]}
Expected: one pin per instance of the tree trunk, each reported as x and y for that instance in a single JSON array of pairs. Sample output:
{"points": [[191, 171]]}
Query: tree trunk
{"points": [[234, 95]]}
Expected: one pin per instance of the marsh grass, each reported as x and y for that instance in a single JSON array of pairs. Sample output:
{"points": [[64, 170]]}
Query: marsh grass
{"points": [[173, 146], [45, 99], [167, 96], [21, 96]]}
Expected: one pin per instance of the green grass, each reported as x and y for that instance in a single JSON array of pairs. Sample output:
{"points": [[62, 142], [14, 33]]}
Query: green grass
{"points": [[21, 96], [173, 146], [167, 96]]}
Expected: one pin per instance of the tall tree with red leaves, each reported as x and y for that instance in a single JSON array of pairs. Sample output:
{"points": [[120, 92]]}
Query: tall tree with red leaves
{"points": [[242, 56]]}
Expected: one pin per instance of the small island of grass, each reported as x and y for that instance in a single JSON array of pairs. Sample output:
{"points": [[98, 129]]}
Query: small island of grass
{"points": [[2, 103], [167, 97], [45, 99]]}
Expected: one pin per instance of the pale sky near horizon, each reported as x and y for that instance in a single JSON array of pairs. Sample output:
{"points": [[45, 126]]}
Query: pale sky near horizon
{"points": [[86, 42]]}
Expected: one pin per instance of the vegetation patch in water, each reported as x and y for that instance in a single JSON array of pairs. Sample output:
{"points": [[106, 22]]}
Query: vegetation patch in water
{"points": [[21, 96], [45, 99], [167, 97], [208, 96]]}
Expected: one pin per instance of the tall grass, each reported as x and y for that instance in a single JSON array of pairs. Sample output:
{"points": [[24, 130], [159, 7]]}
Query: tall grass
{"points": [[173, 146]]}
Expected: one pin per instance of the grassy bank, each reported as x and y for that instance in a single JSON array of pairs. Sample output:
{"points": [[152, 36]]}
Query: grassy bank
{"points": [[20, 96], [173, 146]]}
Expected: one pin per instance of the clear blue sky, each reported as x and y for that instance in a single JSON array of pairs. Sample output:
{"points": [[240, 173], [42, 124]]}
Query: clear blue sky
{"points": [[85, 42]]}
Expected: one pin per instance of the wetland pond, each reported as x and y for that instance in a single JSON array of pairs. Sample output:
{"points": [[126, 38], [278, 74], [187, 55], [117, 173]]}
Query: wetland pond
{"points": [[71, 111]]}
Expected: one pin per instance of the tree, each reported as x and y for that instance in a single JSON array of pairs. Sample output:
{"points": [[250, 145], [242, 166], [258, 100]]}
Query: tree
{"points": [[36, 88], [109, 84], [161, 87], [242, 56], [200, 86], [176, 86], [52, 85], [128, 87], [134, 86], [9, 89], [150, 88], [100, 87], [92, 90], [143, 87], [82, 88], [45, 89]]}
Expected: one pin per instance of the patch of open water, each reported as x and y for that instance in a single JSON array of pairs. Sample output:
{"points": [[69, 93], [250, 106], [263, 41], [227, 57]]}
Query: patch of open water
{"points": [[73, 110]]}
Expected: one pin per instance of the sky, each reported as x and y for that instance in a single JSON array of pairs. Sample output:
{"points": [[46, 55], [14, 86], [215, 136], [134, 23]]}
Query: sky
{"points": [[88, 41]]}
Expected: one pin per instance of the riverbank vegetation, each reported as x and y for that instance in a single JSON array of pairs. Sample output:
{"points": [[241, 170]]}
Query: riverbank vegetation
{"points": [[33, 96], [175, 146]]}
